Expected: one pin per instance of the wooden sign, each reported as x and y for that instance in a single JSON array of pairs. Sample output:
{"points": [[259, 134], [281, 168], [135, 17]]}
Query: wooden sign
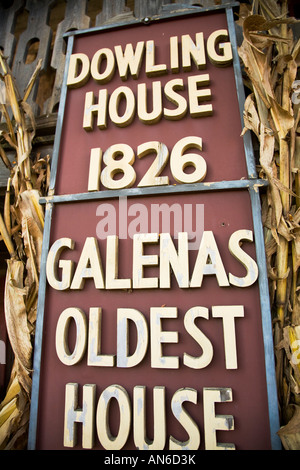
{"points": [[154, 327]]}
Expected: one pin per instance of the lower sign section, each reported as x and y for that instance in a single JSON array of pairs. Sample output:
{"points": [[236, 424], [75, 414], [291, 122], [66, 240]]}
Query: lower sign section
{"points": [[86, 417], [152, 330]]}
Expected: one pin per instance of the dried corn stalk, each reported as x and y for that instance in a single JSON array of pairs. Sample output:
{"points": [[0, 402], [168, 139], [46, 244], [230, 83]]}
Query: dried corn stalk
{"points": [[21, 228], [270, 55]]}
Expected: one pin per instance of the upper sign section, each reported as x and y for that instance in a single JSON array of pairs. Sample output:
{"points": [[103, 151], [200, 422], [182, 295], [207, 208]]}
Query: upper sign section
{"points": [[150, 106]]}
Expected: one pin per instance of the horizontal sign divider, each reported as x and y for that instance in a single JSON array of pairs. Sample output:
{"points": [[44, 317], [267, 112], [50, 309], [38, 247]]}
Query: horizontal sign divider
{"points": [[154, 190]]}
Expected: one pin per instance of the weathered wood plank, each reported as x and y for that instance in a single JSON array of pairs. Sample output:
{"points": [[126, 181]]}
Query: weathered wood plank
{"points": [[112, 9], [37, 30], [200, 3], [149, 8], [7, 25], [75, 18]]}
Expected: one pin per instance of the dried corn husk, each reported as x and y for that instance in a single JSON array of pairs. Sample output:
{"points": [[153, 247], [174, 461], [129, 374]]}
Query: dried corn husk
{"points": [[270, 56], [21, 229], [290, 434], [14, 415]]}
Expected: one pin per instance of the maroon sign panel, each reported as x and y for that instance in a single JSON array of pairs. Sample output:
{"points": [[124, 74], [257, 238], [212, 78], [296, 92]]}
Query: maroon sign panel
{"points": [[165, 104], [152, 327]]}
